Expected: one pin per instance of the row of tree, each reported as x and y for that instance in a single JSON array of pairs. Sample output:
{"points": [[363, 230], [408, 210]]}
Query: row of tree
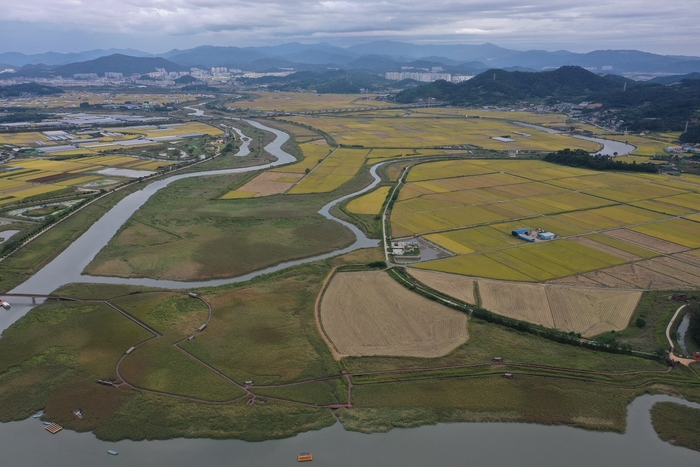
{"points": [[581, 158]]}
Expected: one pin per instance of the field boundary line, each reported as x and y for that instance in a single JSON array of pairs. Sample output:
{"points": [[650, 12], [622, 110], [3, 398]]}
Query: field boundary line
{"points": [[317, 316]]}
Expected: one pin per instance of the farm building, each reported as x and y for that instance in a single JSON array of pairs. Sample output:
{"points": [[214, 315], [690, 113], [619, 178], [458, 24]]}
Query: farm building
{"points": [[410, 248], [533, 235]]}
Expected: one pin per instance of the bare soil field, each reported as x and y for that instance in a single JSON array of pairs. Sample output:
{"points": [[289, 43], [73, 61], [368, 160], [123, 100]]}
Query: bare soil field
{"points": [[606, 249], [689, 257], [606, 280], [591, 311], [271, 183], [646, 241], [644, 278], [675, 269], [526, 302], [459, 287], [579, 280], [369, 313]]}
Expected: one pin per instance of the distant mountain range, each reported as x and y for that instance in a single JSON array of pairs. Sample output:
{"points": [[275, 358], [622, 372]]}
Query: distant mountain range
{"points": [[375, 57]]}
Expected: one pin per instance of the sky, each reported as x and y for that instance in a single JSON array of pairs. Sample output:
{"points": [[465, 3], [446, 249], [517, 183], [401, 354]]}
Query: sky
{"points": [[156, 26]]}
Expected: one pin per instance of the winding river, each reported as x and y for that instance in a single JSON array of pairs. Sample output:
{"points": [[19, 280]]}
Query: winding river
{"points": [[482, 444], [68, 266]]}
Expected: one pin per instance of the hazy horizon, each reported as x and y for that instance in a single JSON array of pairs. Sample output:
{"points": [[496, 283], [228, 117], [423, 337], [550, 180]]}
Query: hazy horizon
{"points": [[156, 26]]}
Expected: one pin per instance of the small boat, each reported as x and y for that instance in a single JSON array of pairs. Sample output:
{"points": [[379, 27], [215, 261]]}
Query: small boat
{"points": [[305, 457], [112, 452], [38, 415], [47, 423], [5, 304]]}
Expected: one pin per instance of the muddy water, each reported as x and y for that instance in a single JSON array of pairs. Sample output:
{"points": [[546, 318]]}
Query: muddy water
{"points": [[26, 443]]}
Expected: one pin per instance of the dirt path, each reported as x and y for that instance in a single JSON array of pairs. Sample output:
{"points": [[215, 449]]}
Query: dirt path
{"points": [[681, 360], [317, 315]]}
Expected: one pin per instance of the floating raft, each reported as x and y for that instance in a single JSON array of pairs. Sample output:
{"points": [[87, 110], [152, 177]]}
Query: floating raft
{"points": [[54, 428], [305, 457]]}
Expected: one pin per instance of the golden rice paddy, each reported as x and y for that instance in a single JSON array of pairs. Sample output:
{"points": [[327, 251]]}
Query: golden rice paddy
{"points": [[370, 203], [470, 207], [338, 168], [429, 132]]}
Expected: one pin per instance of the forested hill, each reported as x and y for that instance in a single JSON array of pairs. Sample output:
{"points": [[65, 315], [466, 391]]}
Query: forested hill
{"points": [[655, 107], [569, 83], [120, 64]]}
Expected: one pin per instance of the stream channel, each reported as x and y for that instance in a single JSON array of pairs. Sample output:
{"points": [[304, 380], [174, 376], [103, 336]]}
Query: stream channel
{"points": [[26, 443]]}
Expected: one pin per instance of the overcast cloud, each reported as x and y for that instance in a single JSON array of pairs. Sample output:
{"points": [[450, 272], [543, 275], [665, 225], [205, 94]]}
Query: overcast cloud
{"points": [[33, 26]]}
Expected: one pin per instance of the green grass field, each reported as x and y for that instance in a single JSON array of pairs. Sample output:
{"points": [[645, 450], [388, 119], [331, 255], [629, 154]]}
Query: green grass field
{"points": [[185, 232], [677, 423]]}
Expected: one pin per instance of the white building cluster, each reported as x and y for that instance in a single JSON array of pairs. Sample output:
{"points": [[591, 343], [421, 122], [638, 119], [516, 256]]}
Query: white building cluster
{"points": [[425, 76]]}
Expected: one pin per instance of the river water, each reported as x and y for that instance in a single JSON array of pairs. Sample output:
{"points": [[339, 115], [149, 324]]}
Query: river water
{"points": [[609, 147], [67, 266], [455, 444]]}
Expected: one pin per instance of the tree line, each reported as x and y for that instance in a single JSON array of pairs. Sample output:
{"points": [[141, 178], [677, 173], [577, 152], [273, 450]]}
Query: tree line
{"points": [[582, 159]]}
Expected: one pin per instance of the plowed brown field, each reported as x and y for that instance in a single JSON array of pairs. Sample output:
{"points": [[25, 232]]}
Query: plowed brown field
{"points": [[369, 313]]}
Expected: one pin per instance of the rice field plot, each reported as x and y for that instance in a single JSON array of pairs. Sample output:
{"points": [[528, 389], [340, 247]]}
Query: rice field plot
{"points": [[606, 249], [24, 138], [308, 102], [444, 169], [431, 221], [313, 154], [370, 203], [610, 217], [591, 311], [523, 190], [636, 192], [642, 277], [266, 184], [474, 239], [622, 245], [645, 146], [153, 131], [525, 302], [475, 265], [369, 313], [645, 241], [560, 227], [680, 231], [551, 173], [661, 207], [674, 268], [591, 181], [336, 169], [459, 287], [561, 203], [687, 200], [426, 132]]}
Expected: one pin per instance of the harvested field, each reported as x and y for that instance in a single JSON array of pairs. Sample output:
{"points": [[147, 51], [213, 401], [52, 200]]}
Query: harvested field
{"points": [[591, 311], [369, 313], [459, 287], [267, 183], [691, 257], [645, 241], [606, 249], [676, 269], [586, 310], [607, 280], [580, 280], [644, 278], [526, 302]]}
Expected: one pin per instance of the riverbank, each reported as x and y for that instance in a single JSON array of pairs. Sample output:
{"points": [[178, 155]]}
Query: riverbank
{"points": [[443, 444]]}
